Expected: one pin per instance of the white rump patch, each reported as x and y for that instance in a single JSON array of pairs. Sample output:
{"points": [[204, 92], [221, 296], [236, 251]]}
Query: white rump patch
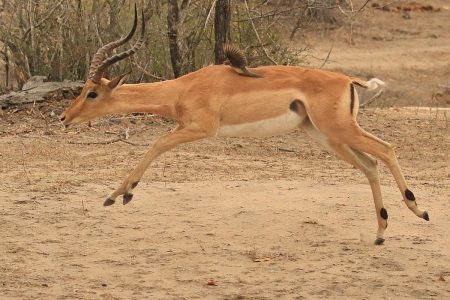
{"points": [[268, 127], [373, 83]]}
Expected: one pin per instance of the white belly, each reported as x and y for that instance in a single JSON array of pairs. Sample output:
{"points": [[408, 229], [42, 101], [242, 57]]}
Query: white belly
{"points": [[268, 127]]}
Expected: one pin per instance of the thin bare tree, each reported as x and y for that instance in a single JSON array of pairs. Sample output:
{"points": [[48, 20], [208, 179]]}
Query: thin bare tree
{"points": [[222, 22]]}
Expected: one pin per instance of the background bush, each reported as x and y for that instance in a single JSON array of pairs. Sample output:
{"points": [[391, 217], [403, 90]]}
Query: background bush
{"points": [[57, 38]]}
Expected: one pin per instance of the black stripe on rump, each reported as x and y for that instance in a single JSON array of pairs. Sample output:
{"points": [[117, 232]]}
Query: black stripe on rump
{"points": [[352, 98]]}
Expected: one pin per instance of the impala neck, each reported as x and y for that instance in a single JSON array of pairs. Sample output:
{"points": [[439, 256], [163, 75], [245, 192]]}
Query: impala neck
{"points": [[157, 98]]}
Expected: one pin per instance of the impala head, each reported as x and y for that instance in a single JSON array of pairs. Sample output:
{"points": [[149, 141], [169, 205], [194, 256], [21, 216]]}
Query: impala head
{"points": [[96, 98]]}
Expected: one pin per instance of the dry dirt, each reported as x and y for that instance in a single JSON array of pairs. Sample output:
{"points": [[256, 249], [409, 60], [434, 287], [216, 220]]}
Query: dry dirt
{"points": [[410, 52], [272, 218]]}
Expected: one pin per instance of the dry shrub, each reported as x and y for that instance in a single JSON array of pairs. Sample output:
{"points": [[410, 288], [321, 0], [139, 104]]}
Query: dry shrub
{"points": [[57, 38]]}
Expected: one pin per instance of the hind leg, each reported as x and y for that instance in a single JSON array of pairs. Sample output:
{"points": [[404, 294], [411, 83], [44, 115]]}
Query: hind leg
{"points": [[362, 162], [368, 166], [366, 142]]}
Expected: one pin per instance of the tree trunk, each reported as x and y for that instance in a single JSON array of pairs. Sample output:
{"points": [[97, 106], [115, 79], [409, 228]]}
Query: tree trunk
{"points": [[222, 22], [32, 45], [61, 49], [113, 21], [173, 17], [22, 69], [6, 68]]}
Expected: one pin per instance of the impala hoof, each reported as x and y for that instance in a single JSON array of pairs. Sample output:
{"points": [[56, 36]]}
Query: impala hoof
{"points": [[379, 241], [127, 198], [108, 202], [425, 216]]}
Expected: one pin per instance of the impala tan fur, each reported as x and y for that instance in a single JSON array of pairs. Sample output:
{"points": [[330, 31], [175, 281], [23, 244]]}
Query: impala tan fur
{"points": [[223, 100]]}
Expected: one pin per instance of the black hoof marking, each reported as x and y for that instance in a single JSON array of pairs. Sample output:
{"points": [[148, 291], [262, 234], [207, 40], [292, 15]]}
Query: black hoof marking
{"points": [[409, 195], [127, 198], [134, 184], [425, 216], [383, 213], [108, 202], [379, 241]]}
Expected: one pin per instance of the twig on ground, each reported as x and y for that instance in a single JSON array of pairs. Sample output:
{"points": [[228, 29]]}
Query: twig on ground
{"points": [[96, 143], [84, 209], [386, 5], [37, 137], [134, 144], [34, 109], [108, 142], [287, 150], [23, 165]]}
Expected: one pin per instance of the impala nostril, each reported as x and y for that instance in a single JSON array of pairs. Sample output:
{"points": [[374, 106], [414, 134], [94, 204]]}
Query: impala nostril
{"points": [[63, 118]]}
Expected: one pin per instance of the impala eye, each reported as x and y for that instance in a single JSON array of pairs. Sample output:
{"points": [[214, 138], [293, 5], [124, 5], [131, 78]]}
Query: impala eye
{"points": [[92, 95]]}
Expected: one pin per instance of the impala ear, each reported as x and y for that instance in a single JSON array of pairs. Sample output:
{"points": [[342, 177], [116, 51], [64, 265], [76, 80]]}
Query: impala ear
{"points": [[119, 80]]}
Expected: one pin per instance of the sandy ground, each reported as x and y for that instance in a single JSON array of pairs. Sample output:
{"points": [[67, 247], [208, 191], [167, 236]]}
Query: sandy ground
{"points": [[411, 54], [273, 218], [262, 218]]}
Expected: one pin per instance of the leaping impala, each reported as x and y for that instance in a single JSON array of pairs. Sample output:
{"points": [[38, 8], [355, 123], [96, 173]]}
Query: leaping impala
{"points": [[218, 101]]}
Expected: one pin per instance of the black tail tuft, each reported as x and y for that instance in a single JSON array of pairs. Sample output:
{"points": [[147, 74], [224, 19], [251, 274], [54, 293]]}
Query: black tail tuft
{"points": [[238, 61], [235, 56]]}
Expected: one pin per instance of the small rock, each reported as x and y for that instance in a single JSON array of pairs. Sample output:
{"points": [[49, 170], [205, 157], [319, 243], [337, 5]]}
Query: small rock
{"points": [[211, 282]]}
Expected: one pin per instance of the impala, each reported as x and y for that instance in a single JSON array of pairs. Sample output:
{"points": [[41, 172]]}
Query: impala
{"points": [[234, 101]]}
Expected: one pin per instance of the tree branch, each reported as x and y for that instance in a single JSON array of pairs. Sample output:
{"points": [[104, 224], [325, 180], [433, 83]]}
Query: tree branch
{"points": [[257, 35], [42, 21]]}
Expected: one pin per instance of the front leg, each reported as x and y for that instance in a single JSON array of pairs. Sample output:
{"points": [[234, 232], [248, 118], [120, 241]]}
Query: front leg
{"points": [[163, 144]]}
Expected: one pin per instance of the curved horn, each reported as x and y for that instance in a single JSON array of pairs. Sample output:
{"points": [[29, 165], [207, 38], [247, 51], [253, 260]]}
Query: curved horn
{"points": [[118, 57], [103, 52]]}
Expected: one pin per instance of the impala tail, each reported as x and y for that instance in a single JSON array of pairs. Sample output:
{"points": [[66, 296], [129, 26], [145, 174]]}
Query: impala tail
{"points": [[372, 84]]}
